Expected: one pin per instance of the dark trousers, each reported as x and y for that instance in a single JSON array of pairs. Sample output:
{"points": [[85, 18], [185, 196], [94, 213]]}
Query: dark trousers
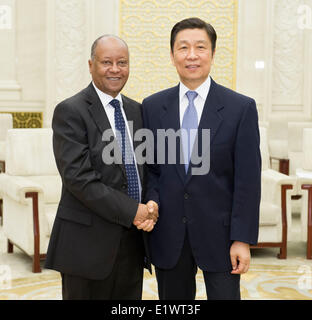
{"points": [[179, 283], [123, 283]]}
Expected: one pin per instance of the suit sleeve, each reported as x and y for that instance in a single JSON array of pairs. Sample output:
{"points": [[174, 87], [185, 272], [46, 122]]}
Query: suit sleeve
{"points": [[72, 155], [247, 178], [153, 170]]}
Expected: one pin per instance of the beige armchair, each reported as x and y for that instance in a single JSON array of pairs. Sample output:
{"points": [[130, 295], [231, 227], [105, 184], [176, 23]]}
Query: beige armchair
{"points": [[31, 189], [304, 176], [275, 214], [295, 156]]}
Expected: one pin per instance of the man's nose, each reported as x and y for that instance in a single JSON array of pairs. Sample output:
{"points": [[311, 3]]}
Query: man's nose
{"points": [[115, 68], [191, 54]]}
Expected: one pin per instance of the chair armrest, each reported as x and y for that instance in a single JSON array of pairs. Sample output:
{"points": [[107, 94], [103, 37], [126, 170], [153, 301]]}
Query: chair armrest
{"points": [[278, 178], [272, 182], [303, 176], [16, 187]]}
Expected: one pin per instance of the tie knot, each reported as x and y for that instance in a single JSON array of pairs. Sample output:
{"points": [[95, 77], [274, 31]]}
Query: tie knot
{"points": [[191, 95], [115, 103]]}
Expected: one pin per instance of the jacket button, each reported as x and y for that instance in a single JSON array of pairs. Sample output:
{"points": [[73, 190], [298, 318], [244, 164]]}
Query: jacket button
{"points": [[184, 219], [124, 186], [186, 196]]}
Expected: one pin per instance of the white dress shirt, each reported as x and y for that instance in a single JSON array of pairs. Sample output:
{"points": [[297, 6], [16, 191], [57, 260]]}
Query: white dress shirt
{"points": [[110, 112], [199, 101]]}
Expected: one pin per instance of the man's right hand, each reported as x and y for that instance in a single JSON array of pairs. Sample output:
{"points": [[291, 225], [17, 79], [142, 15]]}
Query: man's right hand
{"points": [[146, 212]]}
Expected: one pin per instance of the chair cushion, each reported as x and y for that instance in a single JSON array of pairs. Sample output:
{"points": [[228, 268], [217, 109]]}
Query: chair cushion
{"points": [[270, 214], [295, 134], [29, 152], [295, 161], [278, 148]]}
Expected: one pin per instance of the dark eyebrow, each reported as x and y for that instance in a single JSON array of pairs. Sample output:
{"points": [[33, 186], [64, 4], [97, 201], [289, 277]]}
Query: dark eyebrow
{"points": [[198, 41]]}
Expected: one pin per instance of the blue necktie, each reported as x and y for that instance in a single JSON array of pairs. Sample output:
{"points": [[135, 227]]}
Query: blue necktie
{"points": [[190, 121], [126, 151]]}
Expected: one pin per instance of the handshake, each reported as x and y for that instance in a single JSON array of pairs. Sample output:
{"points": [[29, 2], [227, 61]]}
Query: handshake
{"points": [[146, 216]]}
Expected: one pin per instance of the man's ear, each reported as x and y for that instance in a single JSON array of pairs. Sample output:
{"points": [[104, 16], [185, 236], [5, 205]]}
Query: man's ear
{"points": [[172, 58], [213, 56], [90, 65]]}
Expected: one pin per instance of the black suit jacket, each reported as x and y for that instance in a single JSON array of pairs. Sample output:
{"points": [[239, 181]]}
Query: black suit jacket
{"points": [[94, 209]]}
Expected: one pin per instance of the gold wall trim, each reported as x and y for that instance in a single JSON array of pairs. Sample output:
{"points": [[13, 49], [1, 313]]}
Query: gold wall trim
{"points": [[26, 119], [146, 24]]}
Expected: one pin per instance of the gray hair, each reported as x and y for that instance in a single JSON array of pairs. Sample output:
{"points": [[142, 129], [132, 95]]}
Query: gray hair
{"points": [[94, 45]]}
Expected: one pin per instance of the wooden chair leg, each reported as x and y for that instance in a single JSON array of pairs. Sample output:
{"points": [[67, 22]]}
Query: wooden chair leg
{"points": [[283, 252], [36, 264], [10, 246], [309, 222], [283, 248], [36, 259]]}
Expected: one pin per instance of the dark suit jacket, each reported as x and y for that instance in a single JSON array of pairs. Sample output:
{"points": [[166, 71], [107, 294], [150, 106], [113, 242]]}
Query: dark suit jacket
{"points": [[215, 208], [94, 209]]}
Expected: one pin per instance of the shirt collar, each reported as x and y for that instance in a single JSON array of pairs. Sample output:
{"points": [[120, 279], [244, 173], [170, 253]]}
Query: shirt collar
{"points": [[106, 98], [202, 90]]}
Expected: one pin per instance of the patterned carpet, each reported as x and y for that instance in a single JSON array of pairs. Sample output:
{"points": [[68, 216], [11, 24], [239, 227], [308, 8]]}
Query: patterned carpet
{"points": [[268, 278], [262, 282]]}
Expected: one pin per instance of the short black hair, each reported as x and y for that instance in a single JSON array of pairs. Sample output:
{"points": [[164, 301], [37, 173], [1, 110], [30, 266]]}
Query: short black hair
{"points": [[193, 23]]}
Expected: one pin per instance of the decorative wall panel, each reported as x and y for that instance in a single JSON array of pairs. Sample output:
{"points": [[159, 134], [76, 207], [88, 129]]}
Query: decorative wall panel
{"points": [[26, 119], [70, 42], [146, 24], [288, 57]]}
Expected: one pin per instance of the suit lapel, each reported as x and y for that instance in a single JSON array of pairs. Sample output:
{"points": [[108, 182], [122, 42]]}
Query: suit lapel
{"points": [[97, 110], [211, 119], [170, 119], [99, 116]]}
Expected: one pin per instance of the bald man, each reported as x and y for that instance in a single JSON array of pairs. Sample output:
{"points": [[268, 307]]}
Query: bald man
{"points": [[97, 242]]}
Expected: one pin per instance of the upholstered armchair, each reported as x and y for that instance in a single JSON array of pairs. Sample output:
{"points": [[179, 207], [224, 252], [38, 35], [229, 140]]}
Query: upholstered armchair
{"points": [[304, 176], [296, 156], [275, 213], [31, 188]]}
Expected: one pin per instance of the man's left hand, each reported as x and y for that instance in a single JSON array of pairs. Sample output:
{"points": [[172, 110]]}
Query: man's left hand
{"points": [[240, 257], [149, 223]]}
